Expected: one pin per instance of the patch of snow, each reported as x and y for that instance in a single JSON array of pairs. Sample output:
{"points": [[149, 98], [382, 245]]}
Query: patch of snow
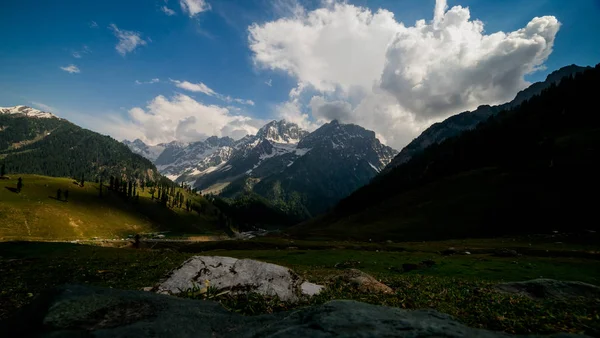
{"points": [[27, 111], [374, 167]]}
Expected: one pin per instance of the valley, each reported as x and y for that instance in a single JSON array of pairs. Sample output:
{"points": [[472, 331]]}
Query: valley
{"points": [[230, 217]]}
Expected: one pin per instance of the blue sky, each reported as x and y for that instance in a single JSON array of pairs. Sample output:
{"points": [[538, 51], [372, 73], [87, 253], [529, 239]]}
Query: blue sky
{"points": [[212, 47]]}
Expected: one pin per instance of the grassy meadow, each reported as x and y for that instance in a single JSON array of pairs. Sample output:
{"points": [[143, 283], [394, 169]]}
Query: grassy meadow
{"points": [[460, 285], [36, 214]]}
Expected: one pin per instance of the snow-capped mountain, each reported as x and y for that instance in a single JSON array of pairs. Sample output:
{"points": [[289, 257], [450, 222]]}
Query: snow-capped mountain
{"points": [[332, 162], [27, 111], [141, 148], [282, 162], [274, 146]]}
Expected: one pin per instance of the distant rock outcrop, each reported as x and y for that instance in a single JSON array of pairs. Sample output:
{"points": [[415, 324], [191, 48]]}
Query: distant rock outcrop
{"points": [[82, 311]]}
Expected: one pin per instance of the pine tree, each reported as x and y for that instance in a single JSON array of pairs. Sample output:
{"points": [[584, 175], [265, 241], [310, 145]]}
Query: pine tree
{"points": [[135, 190], [2, 170], [19, 184], [82, 180], [130, 189], [59, 194], [112, 183], [100, 186]]}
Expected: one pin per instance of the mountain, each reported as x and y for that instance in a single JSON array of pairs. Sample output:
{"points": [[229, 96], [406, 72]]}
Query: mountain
{"points": [[299, 172], [468, 120], [272, 148], [36, 142], [141, 148], [528, 169], [306, 178], [332, 162], [26, 111]]}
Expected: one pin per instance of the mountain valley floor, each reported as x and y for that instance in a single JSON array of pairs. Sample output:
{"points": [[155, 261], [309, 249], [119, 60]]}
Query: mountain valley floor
{"points": [[460, 282]]}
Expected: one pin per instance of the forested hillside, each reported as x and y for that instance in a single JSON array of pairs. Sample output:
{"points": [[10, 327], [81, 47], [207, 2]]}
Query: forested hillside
{"points": [[56, 147], [529, 169]]}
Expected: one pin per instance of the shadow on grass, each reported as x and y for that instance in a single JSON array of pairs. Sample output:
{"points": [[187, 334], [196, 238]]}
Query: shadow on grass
{"points": [[54, 198], [13, 189]]}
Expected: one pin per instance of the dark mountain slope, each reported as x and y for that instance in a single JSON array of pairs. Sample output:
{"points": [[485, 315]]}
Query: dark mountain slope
{"points": [[533, 168], [468, 120], [57, 147]]}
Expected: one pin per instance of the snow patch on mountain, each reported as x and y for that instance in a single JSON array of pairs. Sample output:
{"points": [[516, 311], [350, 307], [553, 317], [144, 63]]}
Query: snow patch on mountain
{"points": [[27, 111]]}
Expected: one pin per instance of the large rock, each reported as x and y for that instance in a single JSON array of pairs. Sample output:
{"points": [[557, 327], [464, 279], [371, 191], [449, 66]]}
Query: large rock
{"points": [[80, 311], [362, 281], [550, 289], [237, 275]]}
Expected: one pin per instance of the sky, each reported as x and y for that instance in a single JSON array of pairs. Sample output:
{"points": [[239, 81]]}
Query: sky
{"points": [[164, 70]]}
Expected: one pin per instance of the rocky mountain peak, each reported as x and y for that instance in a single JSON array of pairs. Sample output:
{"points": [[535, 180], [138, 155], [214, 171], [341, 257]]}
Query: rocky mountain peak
{"points": [[281, 132]]}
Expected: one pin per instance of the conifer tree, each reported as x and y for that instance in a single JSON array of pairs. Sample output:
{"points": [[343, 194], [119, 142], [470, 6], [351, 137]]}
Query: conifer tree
{"points": [[19, 184]]}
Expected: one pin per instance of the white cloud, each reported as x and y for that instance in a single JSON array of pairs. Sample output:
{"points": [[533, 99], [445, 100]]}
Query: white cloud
{"points": [[203, 88], [167, 10], [71, 69], [128, 40], [194, 87], [93, 24], [155, 80], [364, 67], [193, 7], [77, 55], [43, 107], [185, 119]]}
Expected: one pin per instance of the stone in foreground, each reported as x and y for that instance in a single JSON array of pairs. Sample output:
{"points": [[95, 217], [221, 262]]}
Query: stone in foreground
{"points": [[544, 288], [82, 311], [238, 275]]}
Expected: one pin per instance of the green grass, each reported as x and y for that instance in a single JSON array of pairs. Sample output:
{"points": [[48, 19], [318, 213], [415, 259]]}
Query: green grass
{"points": [[35, 213], [460, 285]]}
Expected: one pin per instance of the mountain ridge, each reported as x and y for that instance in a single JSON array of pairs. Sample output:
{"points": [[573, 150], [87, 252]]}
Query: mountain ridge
{"points": [[468, 120]]}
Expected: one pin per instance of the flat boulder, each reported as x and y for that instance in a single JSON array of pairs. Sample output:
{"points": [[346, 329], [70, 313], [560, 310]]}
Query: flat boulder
{"points": [[237, 276], [550, 289], [362, 281], [84, 311]]}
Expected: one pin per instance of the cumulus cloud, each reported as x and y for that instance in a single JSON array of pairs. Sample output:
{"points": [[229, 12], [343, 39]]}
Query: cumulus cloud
{"points": [[167, 10], [71, 69], [128, 40], [155, 80], [364, 67], [204, 89], [193, 7], [185, 119]]}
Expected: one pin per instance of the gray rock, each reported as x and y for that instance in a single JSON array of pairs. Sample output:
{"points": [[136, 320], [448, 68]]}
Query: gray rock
{"points": [[237, 275], [82, 311], [550, 289]]}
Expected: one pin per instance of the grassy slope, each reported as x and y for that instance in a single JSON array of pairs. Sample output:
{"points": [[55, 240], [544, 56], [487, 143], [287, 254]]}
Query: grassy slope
{"points": [[458, 285], [35, 214]]}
